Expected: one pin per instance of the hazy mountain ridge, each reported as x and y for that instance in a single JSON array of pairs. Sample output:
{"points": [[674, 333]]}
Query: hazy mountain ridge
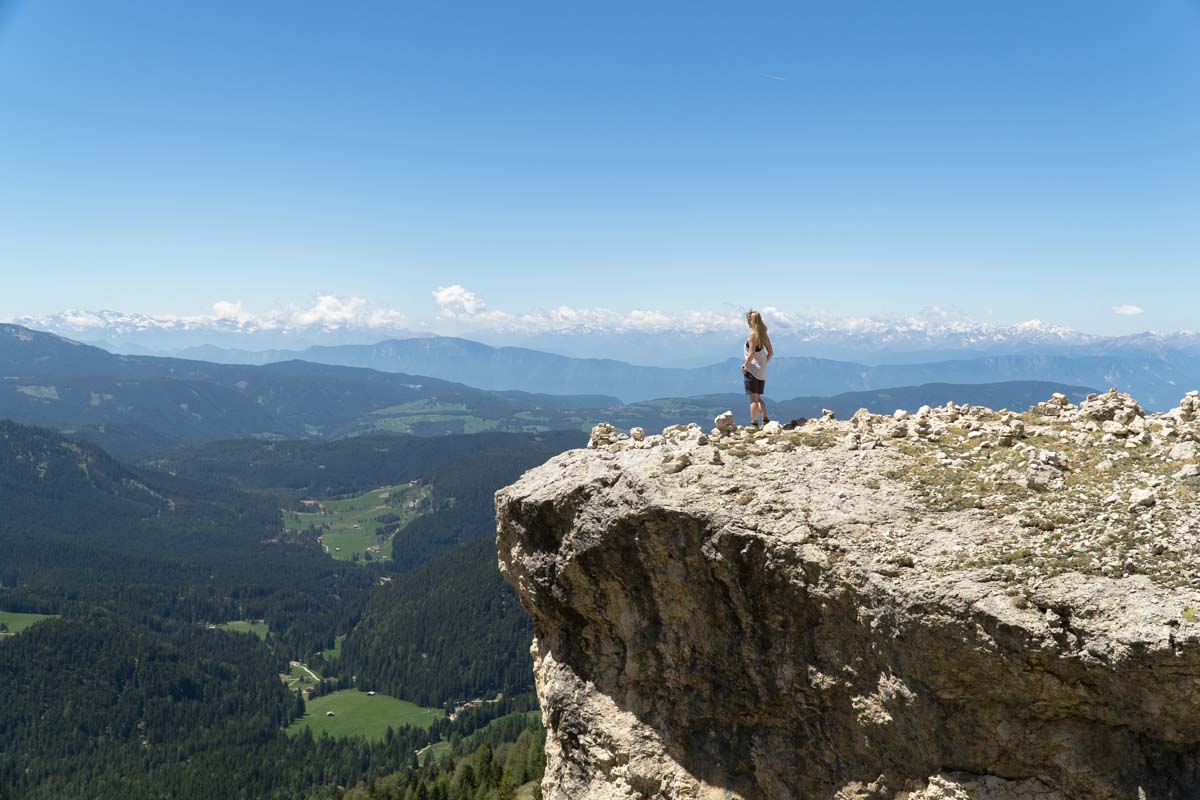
{"points": [[1156, 377], [48, 380]]}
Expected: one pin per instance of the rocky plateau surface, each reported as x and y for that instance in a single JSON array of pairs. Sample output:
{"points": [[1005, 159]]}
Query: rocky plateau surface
{"points": [[959, 603]]}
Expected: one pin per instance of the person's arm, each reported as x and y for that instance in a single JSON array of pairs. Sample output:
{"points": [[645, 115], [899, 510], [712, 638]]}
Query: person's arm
{"points": [[749, 354], [770, 350]]}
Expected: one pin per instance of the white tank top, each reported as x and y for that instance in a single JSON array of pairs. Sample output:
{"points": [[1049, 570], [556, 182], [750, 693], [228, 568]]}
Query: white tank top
{"points": [[758, 362]]}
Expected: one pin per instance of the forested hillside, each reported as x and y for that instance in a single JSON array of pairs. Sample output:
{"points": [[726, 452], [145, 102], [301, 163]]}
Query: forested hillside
{"points": [[494, 763], [99, 707], [403, 647], [140, 561], [345, 466], [79, 524]]}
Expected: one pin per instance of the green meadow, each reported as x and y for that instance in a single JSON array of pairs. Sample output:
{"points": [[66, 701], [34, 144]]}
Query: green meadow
{"points": [[359, 714], [436, 752], [298, 677], [413, 416], [349, 527], [17, 622], [259, 629], [469, 423], [335, 651]]}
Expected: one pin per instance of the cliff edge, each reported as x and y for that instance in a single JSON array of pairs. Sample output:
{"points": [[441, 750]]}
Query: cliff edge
{"points": [[962, 603]]}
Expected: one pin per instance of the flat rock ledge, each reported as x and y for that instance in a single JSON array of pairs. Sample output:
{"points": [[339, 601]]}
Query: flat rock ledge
{"points": [[960, 604]]}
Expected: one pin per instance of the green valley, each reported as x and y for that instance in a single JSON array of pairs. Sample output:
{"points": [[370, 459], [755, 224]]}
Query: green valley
{"points": [[360, 528], [134, 557]]}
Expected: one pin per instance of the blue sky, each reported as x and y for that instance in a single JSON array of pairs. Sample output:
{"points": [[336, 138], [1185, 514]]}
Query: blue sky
{"points": [[1008, 160]]}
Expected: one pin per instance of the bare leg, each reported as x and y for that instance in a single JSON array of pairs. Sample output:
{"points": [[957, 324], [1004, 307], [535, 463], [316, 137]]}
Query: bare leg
{"points": [[762, 409], [754, 403]]}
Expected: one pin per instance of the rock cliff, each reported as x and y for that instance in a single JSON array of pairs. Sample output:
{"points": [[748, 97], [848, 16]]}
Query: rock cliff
{"points": [[960, 603]]}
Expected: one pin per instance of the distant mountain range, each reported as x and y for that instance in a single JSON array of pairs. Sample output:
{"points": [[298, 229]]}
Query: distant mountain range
{"points": [[135, 406], [870, 341], [665, 342], [1158, 380]]}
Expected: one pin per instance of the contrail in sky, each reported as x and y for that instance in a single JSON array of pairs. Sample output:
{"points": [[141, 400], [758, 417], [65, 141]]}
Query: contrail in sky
{"points": [[772, 77]]}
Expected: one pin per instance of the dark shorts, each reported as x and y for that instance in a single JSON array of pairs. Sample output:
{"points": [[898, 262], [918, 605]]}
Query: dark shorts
{"points": [[753, 385]]}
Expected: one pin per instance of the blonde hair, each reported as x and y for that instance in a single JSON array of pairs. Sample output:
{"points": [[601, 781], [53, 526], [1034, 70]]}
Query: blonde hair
{"points": [[755, 321]]}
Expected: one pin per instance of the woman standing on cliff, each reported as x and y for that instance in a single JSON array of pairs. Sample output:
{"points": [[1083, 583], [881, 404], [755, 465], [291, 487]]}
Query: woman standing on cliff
{"points": [[754, 367]]}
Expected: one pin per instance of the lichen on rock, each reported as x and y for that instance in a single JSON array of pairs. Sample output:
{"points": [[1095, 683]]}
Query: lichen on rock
{"points": [[949, 604]]}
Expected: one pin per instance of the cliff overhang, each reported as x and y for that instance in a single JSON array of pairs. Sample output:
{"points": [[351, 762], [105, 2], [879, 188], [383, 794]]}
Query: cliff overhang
{"points": [[961, 603]]}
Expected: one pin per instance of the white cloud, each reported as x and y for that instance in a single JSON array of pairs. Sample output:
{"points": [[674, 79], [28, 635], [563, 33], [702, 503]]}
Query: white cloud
{"points": [[1128, 310], [386, 318], [231, 310], [455, 302], [330, 310]]}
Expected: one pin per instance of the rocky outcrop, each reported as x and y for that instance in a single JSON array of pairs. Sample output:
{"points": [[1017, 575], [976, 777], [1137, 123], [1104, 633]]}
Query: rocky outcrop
{"points": [[956, 604]]}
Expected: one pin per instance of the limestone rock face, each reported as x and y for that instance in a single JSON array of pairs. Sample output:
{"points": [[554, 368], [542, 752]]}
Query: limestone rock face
{"points": [[792, 615]]}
